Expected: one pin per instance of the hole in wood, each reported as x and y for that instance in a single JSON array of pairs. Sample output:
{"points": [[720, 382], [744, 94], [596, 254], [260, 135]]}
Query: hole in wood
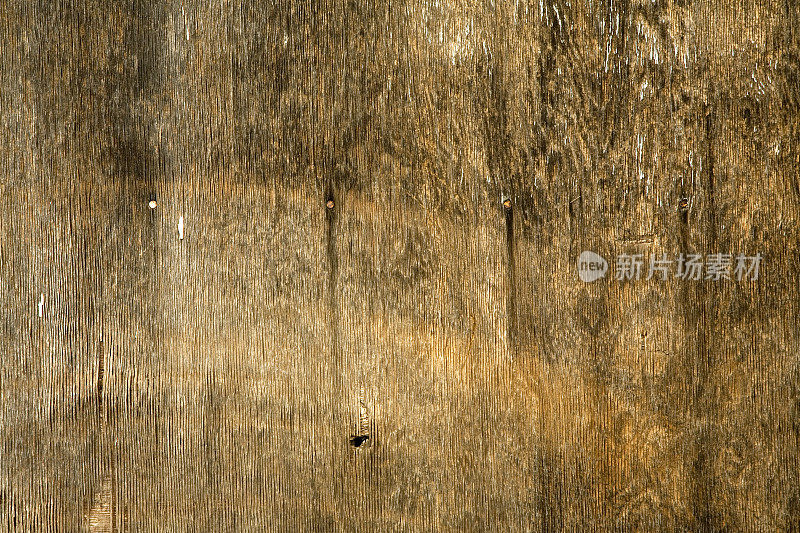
{"points": [[329, 204], [358, 440], [683, 204]]}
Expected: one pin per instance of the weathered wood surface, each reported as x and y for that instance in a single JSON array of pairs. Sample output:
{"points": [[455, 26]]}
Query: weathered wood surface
{"points": [[213, 383]]}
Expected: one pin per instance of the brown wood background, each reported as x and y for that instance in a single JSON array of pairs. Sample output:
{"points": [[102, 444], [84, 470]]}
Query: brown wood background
{"points": [[213, 383]]}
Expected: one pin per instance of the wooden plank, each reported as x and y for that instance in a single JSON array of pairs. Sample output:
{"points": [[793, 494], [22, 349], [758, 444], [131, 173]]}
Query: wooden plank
{"points": [[312, 266]]}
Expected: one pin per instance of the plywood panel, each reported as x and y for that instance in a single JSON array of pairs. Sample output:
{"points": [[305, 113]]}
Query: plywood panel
{"points": [[312, 266]]}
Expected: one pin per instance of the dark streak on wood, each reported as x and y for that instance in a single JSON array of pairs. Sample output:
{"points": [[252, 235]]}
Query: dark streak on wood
{"points": [[511, 278]]}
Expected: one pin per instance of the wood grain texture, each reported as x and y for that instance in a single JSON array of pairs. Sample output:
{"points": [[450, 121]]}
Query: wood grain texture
{"points": [[353, 332]]}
